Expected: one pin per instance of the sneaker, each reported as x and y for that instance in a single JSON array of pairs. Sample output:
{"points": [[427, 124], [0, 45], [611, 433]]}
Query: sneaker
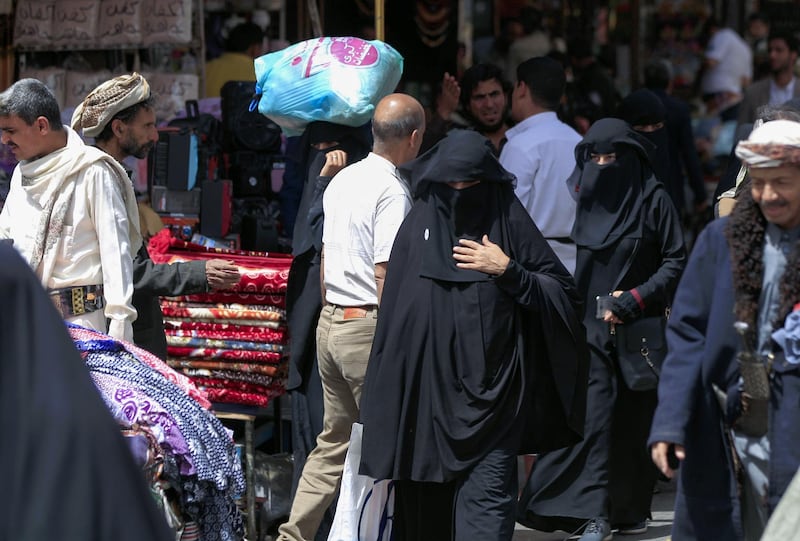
{"points": [[598, 529], [632, 529]]}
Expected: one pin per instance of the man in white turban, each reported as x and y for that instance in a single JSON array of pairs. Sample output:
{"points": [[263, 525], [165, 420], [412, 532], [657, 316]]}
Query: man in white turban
{"points": [[70, 211], [119, 114], [744, 267]]}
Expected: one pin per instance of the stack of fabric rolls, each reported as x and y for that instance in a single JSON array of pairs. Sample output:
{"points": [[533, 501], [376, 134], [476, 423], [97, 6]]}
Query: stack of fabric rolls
{"points": [[232, 344]]}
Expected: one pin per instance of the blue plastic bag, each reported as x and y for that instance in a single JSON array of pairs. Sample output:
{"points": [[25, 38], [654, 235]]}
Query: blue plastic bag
{"points": [[337, 79]]}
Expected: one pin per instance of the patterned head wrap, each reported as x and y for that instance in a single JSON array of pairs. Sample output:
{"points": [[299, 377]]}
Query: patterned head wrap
{"points": [[108, 99], [772, 144]]}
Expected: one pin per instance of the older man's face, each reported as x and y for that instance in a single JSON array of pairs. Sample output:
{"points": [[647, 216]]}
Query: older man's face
{"points": [[777, 191]]}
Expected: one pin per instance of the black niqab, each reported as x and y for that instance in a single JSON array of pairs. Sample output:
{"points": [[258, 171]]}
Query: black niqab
{"points": [[609, 196], [641, 108], [451, 213], [356, 142]]}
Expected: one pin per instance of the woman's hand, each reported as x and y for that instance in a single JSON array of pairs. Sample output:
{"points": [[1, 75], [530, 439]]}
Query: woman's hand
{"points": [[335, 161], [609, 316]]}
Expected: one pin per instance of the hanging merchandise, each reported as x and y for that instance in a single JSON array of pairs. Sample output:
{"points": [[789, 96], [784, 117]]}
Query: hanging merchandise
{"points": [[432, 19], [336, 79]]}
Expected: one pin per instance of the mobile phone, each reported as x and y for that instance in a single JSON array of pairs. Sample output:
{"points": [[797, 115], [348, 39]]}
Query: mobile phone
{"points": [[604, 303], [672, 458]]}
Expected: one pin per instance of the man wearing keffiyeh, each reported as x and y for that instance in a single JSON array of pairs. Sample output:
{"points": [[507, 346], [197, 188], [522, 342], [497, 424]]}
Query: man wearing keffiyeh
{"points": [[744, 267], [120, 115], [70, 211]]}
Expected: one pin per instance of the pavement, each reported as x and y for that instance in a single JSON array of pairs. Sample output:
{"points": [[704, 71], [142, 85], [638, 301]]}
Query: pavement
{"points": [[658, 528]]}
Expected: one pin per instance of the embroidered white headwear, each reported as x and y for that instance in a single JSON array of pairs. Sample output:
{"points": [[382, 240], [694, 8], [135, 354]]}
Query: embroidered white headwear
{"points": [[108, 99], [772, 144]]}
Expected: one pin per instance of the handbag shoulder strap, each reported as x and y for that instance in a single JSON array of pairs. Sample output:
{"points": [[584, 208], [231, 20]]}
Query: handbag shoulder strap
{"points": [[627, 266]]}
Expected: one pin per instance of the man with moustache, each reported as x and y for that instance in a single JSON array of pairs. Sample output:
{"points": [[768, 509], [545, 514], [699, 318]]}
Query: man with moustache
{"points": [[483, 97], [484, 100], [120, 115], [745, 267]]}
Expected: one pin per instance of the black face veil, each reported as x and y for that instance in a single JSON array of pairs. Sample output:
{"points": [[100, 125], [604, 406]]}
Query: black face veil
{"points": [[453, 214], [610, 195]]}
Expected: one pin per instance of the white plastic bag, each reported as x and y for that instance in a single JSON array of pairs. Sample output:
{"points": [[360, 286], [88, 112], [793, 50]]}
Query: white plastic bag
{"points": [[365, 508], [337, 80]]}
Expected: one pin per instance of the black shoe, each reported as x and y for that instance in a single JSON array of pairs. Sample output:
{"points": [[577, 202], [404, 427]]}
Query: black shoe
{"points": [[632, 529]]}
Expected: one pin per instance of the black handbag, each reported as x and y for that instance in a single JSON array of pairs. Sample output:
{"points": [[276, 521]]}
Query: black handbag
{"points": [[641, 348]]}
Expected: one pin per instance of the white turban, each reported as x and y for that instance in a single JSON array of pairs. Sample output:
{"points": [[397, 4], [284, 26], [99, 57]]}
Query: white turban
{"points": [[772, 144], [108, 99]]}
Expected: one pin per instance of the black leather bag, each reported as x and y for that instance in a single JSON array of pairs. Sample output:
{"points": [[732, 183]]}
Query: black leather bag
{"points": [[641, 349]]}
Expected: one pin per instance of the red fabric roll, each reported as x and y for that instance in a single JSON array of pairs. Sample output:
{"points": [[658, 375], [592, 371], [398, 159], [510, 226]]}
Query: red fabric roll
{"points": [[266, 369], [250, 334], [210, 311], [232, 354], [240, 297], [233, 385], [227, 396]]}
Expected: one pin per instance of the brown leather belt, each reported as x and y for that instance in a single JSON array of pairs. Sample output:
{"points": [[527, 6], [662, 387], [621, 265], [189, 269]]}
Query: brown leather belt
{"points": [[79, 300], [356, 312]]}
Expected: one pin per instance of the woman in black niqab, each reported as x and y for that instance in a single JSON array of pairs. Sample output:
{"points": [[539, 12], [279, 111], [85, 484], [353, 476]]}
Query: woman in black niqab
{"points": [[609, 195], [646, 114], [630, 244], [66, 471], [468, 369]]}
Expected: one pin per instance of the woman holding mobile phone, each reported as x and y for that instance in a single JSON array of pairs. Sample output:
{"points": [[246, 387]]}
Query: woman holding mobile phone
{"points": [[630, 256]]}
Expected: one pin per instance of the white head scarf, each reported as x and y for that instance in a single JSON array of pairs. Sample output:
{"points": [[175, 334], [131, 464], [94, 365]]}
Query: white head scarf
{"points": [[772, 144], [108, 99]]}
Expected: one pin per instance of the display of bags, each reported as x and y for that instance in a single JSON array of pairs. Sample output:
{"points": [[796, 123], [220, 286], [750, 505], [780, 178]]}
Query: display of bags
{"points": [[365, 508], [641, 348]]}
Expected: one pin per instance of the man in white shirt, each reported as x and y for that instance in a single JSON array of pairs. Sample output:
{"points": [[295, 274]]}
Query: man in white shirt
{"points": [[540, 152], [728, 69], [70, 211], [780, 86], [364, 206]]}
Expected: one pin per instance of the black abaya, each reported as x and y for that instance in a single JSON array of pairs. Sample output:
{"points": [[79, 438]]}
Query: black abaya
{"points": [[67, 473], [609, 474], [461, 363]]}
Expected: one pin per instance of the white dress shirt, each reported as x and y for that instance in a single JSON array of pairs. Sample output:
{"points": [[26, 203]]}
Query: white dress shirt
{"points": [[364, 206]]}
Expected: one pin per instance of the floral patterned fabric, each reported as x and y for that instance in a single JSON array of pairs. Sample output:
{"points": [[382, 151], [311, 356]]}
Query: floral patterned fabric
{"points": [[91, 340], [204, 342], [224, 311], [266, 369], [199, 456], [227, 332], [230, 354], [232, 344], [241, 297]]}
